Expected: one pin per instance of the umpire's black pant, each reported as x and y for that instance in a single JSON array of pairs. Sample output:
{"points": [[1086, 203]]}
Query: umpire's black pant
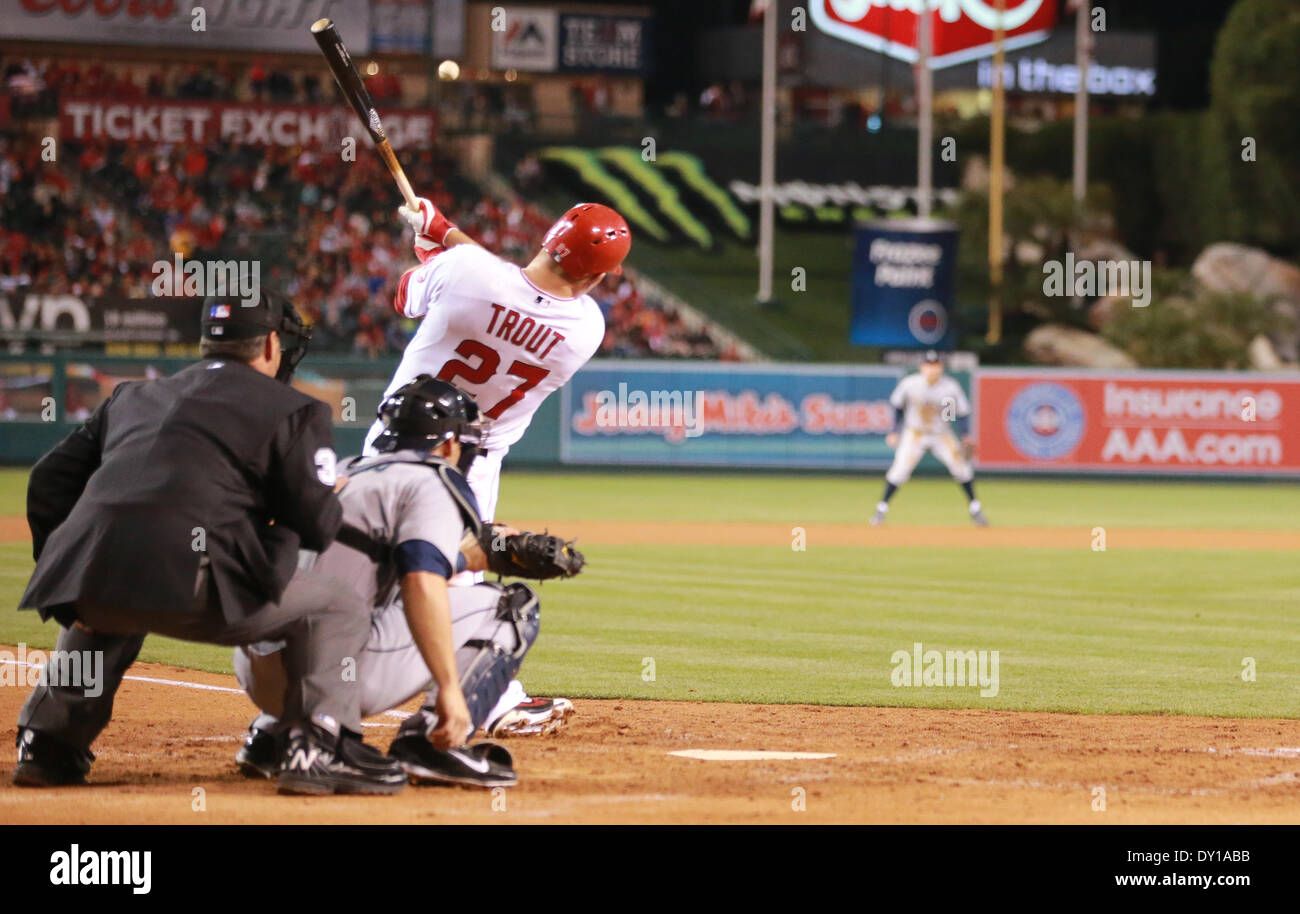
{"points": [[323, 622]]}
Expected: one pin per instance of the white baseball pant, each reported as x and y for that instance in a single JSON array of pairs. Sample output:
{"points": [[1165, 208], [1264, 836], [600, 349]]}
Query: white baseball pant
{"points": [[912, 445], [391, 670]]}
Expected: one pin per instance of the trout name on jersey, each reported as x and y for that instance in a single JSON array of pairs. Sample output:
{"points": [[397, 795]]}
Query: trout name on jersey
{"points": [[534, 336]]}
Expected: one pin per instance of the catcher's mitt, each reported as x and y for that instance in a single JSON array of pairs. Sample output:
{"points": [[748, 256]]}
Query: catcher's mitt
{"points": [[537, 556]]}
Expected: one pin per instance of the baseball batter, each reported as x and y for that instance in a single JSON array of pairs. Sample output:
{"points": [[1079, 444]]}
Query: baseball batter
{"points": [[508, 336], [925, 403]]}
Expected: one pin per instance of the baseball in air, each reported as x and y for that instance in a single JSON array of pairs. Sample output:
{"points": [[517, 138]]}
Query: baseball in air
{"points": [[449, 69]]}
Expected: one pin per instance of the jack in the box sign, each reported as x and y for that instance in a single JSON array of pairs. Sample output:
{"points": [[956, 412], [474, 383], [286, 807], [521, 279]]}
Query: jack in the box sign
{"points": [[963, 29]]}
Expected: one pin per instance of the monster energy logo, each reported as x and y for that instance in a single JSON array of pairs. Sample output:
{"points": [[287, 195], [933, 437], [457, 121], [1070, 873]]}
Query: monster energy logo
{"points": [[649, 195]]}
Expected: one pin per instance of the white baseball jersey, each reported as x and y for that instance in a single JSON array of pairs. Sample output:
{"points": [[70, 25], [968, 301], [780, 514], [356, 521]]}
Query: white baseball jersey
{"points": [[927, 408], [487, 329]]}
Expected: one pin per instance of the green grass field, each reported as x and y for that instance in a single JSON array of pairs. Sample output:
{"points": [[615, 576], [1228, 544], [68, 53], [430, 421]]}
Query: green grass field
{"points": [[1125, 630]]}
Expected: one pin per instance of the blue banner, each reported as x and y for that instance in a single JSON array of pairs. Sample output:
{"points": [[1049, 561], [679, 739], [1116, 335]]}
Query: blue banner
{"points": [[903, 273], [728, 415]]}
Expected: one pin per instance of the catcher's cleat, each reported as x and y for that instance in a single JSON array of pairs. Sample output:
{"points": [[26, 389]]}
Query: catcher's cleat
{"points": [[480, 765], [260, 755], [533, 716], [318, 763], [45, 762]]}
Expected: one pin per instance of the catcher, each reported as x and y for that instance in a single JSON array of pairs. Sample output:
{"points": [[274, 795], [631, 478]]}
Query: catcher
{"points": [[410, 522]]}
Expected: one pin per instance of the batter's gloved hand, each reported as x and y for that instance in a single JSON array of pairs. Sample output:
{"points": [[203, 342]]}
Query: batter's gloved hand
{"points": [[430, 225], [538, 556]]}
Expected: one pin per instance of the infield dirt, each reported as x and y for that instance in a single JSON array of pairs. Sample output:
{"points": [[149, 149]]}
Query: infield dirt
{"points": [[611, 765]]}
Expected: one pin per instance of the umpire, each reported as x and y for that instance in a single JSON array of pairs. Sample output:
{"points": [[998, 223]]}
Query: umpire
{"points": [[179, 508]]}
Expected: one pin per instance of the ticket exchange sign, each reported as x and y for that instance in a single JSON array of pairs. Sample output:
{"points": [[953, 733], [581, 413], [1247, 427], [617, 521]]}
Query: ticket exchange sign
{"points": [[1176, 423], [242, 124]]}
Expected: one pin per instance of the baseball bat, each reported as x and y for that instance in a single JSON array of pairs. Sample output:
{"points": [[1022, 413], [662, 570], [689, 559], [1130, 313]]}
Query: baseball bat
{"points": [[354, 90]]}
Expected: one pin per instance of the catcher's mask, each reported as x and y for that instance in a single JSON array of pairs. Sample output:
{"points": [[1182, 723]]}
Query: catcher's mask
{"points": [[424, 413], [227, 318]]}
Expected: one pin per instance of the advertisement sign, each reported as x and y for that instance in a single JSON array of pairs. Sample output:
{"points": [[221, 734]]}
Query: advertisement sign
{"points": [[903, 273], [1222, 423], [73, 320], [529, 41], [962, 29], [1036, 74], [268, 25], [609, 44], [241, 124], [399, 27], [448, 26], [722, 414]]}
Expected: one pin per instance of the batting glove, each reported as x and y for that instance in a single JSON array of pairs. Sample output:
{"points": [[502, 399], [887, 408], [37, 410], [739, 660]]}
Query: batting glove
{"points": [[431, 227]]}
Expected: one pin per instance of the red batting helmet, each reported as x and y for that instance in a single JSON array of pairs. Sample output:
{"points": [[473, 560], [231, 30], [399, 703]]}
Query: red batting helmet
{"points": [[588, 239]]}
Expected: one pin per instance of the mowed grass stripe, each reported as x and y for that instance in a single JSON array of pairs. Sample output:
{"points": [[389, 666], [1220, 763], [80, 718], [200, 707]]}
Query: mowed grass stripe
{"points": [[1131, 641]]}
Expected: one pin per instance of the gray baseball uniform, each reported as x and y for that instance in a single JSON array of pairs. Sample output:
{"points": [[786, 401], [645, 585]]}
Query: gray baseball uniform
{"points": [[397, 500]]}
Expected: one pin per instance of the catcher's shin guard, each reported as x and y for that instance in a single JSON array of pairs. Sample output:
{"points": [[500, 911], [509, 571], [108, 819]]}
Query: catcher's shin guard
{"points": [[494, 662], [494, 666]]}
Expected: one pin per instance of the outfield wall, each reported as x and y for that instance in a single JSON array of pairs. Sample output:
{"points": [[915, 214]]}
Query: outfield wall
{"points": [[778, 416], [1144, 422]]}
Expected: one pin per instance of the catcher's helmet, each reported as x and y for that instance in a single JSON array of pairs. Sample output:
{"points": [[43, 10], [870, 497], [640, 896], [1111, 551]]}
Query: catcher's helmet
{"points": [[425, 412], [228, 318], [588, 239]]}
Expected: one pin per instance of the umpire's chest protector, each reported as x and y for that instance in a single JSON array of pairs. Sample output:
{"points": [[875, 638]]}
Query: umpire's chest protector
{"points": [[216, 460]]}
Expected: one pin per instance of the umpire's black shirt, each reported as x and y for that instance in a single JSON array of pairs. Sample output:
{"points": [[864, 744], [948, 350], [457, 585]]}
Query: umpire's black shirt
{"points": [[216, 459]]}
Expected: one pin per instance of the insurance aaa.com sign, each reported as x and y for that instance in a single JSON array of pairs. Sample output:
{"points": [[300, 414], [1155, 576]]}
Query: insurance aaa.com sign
{"points": [[1177, 423]]}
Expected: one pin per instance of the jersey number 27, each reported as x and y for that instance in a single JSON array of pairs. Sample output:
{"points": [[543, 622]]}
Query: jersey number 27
{"points": [[489, 360]]}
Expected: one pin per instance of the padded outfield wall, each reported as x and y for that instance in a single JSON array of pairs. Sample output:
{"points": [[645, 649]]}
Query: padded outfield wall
{"points": [[778, 416]]}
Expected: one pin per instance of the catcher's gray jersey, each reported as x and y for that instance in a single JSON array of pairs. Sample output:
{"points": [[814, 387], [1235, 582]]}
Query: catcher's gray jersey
{"points": [[403, 504]]}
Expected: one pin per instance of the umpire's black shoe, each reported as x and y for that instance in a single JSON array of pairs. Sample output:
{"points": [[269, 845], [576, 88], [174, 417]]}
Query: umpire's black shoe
{"points": [[483, 764], [45, 762], [260, 755], [317, 762]]}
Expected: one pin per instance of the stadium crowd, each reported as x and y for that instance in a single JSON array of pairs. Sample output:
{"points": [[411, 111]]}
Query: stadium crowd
{"points": [[324, 231], [96, 222]]}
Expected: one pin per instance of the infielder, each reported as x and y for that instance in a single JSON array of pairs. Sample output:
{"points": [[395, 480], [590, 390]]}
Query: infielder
{"points": [[410, 522], [924, 403], [508, 336]]}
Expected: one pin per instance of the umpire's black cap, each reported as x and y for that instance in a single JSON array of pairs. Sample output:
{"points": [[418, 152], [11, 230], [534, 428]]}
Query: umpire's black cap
{"points": [[228, 318]]}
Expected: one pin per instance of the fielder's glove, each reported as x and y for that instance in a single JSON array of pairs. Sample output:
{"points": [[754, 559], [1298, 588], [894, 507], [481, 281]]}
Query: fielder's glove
{"points": [[538, 556]]}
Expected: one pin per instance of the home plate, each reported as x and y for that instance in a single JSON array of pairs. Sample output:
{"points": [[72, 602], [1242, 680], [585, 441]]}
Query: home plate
{"points": [[746, 755]]}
